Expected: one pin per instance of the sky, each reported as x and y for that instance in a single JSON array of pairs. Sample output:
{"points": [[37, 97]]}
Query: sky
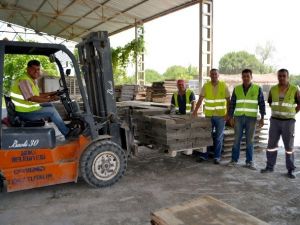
{"points": [[238, 25]]}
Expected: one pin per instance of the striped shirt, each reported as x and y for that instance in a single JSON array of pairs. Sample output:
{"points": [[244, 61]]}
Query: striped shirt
{"points": [[26, 89]]}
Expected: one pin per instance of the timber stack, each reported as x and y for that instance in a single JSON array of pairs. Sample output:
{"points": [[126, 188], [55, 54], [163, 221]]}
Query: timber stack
{"points": [[128, 92], [162, 91], [118, 91]]}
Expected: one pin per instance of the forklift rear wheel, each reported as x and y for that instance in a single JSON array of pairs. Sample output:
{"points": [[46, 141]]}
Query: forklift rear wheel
{"points": [[103, 163]]}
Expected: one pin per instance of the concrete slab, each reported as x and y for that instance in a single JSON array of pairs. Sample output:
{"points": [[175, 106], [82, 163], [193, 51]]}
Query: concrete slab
{"points": [[155, 181]]}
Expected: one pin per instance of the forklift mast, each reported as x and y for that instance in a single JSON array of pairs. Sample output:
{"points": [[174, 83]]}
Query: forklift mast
{"points": [[95, 60]]}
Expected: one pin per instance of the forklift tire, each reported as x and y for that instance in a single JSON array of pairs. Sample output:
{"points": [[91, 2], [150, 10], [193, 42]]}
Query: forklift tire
{"points": [[103, 163]]}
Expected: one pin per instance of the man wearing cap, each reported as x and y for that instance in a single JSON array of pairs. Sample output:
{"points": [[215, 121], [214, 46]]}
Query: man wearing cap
{"points": [[284, 99], [183, 100], [216, 95], [246, 99]]}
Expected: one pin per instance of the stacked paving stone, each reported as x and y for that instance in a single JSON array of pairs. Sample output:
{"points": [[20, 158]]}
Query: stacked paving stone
{"points": [[260, 139], [175, 133]]}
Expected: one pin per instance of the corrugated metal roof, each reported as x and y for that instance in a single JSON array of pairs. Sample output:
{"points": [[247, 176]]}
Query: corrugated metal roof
{"points": [[73, 19]]}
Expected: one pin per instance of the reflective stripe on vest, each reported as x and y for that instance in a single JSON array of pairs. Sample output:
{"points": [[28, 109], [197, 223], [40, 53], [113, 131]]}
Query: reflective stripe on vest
{"points": [[287, 108], [22, 105], [246, 105], [215, 104], [188, 93]]}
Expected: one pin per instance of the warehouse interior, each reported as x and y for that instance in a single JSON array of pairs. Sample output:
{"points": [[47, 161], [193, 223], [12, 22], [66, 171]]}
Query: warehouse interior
{"points": [[163, 170]]}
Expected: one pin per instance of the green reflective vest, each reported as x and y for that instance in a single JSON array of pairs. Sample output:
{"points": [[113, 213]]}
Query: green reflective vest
{"points": [[188, 93], [287, 108], [22, 105], [215, 105], [246, 105]]}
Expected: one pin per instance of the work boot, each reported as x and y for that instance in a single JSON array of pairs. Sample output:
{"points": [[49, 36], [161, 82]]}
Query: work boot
{"points": [[232, 164], [267, 170], [217, 161], [290, 174], [250, 165]]}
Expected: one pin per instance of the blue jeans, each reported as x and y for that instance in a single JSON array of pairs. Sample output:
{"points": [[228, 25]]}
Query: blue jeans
{"points": [[242, 123], [47, 111], [217, 132]]}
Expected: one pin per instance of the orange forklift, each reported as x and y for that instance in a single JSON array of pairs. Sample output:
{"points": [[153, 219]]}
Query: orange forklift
{"points": [[31, 155]]}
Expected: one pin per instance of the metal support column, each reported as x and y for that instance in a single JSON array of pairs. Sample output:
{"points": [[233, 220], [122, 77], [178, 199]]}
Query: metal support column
{"points": [[205, 39], [139, 61]]}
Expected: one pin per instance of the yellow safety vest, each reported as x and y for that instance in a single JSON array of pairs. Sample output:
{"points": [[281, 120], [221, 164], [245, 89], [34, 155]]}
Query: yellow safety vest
{"points": [[246, 105], [188, 93], [287, 108], [215, 104], [22, 105]]}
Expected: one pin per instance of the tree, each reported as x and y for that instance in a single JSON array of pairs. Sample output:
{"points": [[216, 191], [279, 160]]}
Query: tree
{"points": [[192, 71], [295, 79], [152, 76], [235, 62], [264, 54], [177, 72]]}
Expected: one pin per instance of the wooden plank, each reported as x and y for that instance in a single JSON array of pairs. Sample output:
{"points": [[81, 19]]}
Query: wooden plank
{"points": [[203, 211]]}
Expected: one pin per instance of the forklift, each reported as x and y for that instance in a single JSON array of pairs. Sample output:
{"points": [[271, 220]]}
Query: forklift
{"points": [[30, 154]]}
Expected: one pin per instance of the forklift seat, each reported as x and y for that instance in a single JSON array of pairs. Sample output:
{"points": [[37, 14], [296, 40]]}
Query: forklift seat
{"points": [[15, 120]]}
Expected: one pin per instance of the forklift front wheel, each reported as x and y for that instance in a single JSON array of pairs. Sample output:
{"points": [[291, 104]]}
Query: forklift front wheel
{"points": [[103, 163]]}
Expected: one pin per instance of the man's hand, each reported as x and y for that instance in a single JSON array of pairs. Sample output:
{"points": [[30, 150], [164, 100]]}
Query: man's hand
{"points": [[231, 122], [226, 117], [195, 114], [53, 98], [261, 123]]}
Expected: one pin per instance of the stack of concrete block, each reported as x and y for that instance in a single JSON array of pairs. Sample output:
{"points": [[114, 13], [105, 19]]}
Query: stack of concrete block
{"points": [[260, 139], [175, 133]]}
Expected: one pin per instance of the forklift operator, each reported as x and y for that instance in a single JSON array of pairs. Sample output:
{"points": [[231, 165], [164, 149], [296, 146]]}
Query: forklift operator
{"points": [[31, 105]]}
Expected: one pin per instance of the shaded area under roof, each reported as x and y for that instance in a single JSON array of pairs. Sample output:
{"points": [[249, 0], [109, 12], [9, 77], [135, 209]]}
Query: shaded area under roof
{"points": [[74, 19]]}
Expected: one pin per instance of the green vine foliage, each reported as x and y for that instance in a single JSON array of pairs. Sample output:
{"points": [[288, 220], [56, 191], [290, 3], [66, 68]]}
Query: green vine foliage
{"points": [[122, 57]]}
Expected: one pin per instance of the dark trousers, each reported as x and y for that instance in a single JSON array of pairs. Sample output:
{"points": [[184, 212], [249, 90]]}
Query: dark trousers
{"points": [[285, 129]]}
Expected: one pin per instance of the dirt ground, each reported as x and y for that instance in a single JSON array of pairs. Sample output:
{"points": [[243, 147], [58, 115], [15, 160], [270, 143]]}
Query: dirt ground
{"points": [[153, 181]]}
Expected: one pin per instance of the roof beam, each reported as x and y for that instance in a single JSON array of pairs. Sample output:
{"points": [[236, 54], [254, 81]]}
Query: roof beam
{"points": [[28, 23], [182, 6], [58, 14], [93, 10], [22, 10], [110, 18]]}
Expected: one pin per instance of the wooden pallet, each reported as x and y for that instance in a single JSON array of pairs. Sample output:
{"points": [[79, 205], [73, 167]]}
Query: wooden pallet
{"points": [[203, 211], [173, 153]]}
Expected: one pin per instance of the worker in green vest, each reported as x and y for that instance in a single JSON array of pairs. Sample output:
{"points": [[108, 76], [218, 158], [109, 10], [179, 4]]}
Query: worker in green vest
{"points": [[245, 101], [217, 97], [284, 100], [32, 105], [183, 100]]}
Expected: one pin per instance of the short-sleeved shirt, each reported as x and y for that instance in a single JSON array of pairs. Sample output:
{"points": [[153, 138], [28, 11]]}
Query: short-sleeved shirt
{"points": [[281, 97], [182, 102], [26, 89], [215, 91]]}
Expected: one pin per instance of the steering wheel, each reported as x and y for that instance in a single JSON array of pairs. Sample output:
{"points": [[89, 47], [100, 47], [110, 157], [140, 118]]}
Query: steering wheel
{"points": [[61, 92]]}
